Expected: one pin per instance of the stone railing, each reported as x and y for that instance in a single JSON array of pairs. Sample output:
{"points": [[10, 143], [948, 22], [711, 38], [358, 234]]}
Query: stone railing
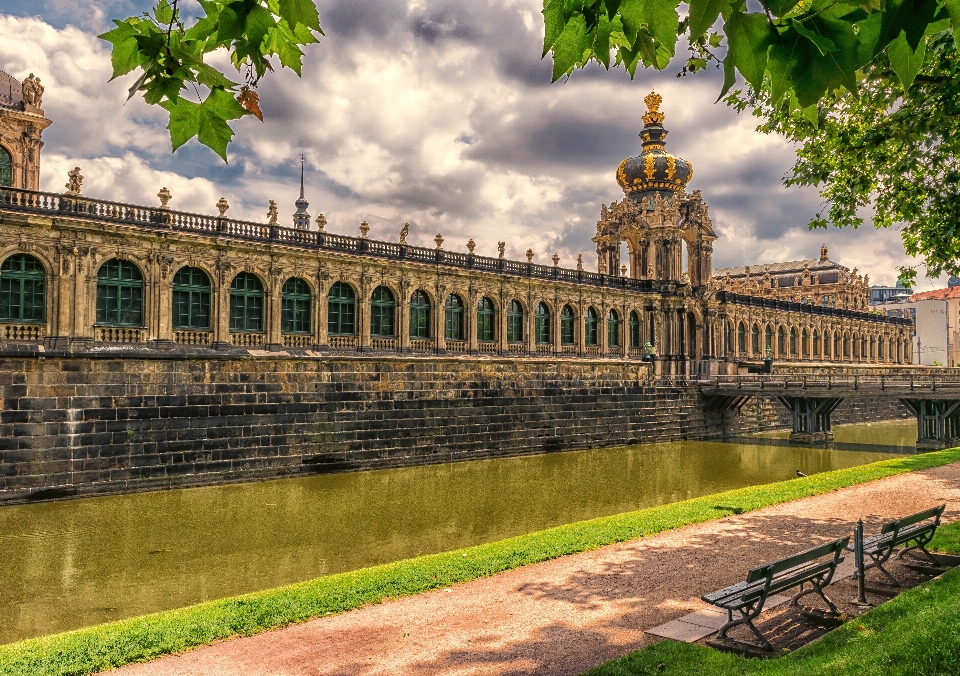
{"points": [[486, 346], [343, 342], [544, 349], [384, 343], [423, 344], [775, 304], [31, 332], [300, 340], [119, 334], [244, 339], [187, 337], [517, 348], [456, 346], [568, 349]]}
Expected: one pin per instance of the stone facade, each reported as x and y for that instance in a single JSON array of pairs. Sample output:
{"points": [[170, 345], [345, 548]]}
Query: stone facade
{"points": [[21, 124]]}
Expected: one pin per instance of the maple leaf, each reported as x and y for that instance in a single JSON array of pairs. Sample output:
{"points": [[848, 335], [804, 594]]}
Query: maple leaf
{"points": [[250, 100]]}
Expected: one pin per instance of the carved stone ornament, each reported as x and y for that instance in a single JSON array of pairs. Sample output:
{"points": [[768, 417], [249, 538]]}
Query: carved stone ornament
{"points": [[529, 255], [404, 231], [321, 222], [165, 196], [272, 213], [556, 260], [222, 206], [471, 245], [501, 247], [74, 181], [623, 271], [579, 261], [364, 229], [32, 91], [439, 240]]}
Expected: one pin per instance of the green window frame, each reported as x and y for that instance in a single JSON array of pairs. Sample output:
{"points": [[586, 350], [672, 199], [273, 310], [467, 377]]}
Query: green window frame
{"points": [[741, 338], [863, 347], [768, 335], [793, 342], [816, 343], [634, 328], [485, 320], [515, 322], [781, 341], [755, 340], [804, 336], [246, 304], [613, 329], [880, 348], [191, 299], [568, 322], [846, 347], [383, 309], [6, 167], [419, 315], [453, 328], [22, 289], [836, 345], [542, 324], [296, 302], [590, 334], [119, 294], [341, 310]]}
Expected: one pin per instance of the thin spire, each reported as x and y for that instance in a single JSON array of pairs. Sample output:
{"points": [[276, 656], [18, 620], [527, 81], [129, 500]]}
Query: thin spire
{"points": [[301, 219], [301, 175]]}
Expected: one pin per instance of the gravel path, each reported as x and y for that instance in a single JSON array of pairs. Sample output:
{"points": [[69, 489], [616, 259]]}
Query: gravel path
{"points": [[566, 615]]}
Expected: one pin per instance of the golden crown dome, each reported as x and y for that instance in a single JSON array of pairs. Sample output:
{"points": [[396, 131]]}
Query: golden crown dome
{"points": [[654, 168]]}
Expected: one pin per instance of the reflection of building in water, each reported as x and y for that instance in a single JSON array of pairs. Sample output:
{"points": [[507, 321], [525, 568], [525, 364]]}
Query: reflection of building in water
{"points": [[77, 273]]}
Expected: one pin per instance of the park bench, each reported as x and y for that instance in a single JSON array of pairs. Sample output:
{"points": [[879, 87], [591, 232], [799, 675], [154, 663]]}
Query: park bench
{"points": [[814, 567], [917, 529]]}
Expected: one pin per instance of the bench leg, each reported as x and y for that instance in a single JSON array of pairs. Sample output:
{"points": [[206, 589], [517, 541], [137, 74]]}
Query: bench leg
{"points": [[816, 588], [747, 616], [921, 547], [878, 562]]}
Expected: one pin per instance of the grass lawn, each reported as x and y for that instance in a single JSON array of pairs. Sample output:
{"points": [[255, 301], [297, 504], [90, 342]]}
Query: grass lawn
{"points": [[916, 634], [140, 639]]}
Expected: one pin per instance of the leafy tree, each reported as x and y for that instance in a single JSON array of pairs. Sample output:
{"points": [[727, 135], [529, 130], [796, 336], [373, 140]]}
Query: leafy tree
{"points": [[200, 99], [892, 146], [868, 89]]}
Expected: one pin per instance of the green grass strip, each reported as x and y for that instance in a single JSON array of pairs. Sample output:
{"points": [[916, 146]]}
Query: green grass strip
{"points": [[138, 639], [918, 632]]}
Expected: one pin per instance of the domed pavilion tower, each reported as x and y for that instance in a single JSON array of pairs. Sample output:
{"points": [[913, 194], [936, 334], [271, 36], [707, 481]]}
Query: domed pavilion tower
{"points": [[21, 123], [656, 216]]}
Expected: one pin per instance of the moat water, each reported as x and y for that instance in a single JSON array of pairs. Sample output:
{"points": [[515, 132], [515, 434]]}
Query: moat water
{"points": [[70, 564]]}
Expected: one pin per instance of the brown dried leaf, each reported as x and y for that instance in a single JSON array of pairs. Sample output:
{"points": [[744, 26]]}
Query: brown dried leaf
{"points": [[250, 100]]}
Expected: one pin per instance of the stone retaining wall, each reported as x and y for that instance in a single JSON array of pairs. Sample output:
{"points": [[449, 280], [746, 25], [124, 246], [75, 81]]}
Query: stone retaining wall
{"points": [[75, 425]]}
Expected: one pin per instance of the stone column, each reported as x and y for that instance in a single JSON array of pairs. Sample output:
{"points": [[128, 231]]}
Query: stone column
{"points": [[403, 316], [470, 319], [362, 329], [319, 315], [273, 311], [439, 318], [220, 319]]}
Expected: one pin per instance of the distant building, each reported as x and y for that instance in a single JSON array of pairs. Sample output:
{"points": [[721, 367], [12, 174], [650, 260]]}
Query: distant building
{"points": [[880, 295], [936, 318]]}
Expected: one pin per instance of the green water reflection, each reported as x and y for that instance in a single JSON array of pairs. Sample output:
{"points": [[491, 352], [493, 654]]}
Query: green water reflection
{"points": [[80, 562]]}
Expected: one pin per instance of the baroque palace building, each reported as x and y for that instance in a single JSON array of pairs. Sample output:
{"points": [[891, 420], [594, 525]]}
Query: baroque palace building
{"points": [[78, 273]]}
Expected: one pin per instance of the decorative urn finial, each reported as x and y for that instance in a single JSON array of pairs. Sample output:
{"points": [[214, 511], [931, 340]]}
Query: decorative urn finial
{"points": [[556, 260], [654, 170], [471, 245], [364, 229], [165, 196], [321, 222], [529, 255], [222, 206], [439, 240]]}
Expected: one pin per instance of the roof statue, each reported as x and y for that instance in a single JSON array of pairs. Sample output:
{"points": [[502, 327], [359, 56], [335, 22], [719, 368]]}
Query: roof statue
{"points": [[32, 91], [74, 181]]}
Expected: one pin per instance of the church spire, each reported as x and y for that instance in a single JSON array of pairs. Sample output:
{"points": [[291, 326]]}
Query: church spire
{"points": [[301, 219]]}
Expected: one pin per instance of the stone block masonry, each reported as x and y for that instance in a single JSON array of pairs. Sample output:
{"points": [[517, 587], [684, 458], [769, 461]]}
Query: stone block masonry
{"points": [[77, 425]]}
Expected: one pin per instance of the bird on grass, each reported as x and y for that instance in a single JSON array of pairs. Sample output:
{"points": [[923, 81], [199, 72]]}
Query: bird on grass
{"points": [[800, 474]]}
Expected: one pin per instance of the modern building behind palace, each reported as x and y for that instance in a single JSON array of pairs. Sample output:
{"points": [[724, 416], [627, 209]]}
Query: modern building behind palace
{"points": [[80, 273]]}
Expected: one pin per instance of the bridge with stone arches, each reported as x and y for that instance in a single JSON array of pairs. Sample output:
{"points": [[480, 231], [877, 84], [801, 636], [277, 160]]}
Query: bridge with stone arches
{"points": [[811, 397]]}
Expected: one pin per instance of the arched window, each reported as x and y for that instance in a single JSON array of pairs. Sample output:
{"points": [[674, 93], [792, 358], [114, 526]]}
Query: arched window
{"points": [[803, 343], [567, 322], [793, 342], [863, 346], [880, 348], [613, 329], [816, 343], [741, 338], [6, 167], [295, 302], [453, 328], [856, 346], [419, 315], [515, 322], [246, 303], [485, 321], [542, 321], [191, 299], [590, 328], [836, 344], [119, 294], [727, 338], [755, 340], [22, 284], [781, 341], [768, 343], [846, 346], [382, 311], [873, 347], [634, 326], [341, 310]]}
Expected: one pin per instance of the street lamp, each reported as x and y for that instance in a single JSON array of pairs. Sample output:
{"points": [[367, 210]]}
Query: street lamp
{"points": [[647, 351]]}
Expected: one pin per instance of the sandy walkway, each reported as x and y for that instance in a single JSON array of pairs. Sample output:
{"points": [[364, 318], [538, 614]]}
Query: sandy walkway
{"points": [[566, 615]]}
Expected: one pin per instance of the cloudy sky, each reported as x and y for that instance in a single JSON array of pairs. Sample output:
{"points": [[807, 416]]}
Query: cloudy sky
{"points": [[436, 112]]}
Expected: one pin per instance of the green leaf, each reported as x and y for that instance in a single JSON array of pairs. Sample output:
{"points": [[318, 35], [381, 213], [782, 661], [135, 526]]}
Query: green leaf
{"points": [[906, 62], [282, 42], [601, 43], [749, 36], [125, 55], [211, 77], [164, 13], [207, 120], [554, 21], [570, 46], [704, 13], [633, 16], [729, 77], [780, 7], [910, 16], [300, 12], [258, 24], [662, 22], [823, 44], [953, 11]]}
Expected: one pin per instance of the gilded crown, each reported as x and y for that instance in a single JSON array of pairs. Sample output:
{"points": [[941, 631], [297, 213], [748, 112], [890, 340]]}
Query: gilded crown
{"points": [[653, 101]]}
